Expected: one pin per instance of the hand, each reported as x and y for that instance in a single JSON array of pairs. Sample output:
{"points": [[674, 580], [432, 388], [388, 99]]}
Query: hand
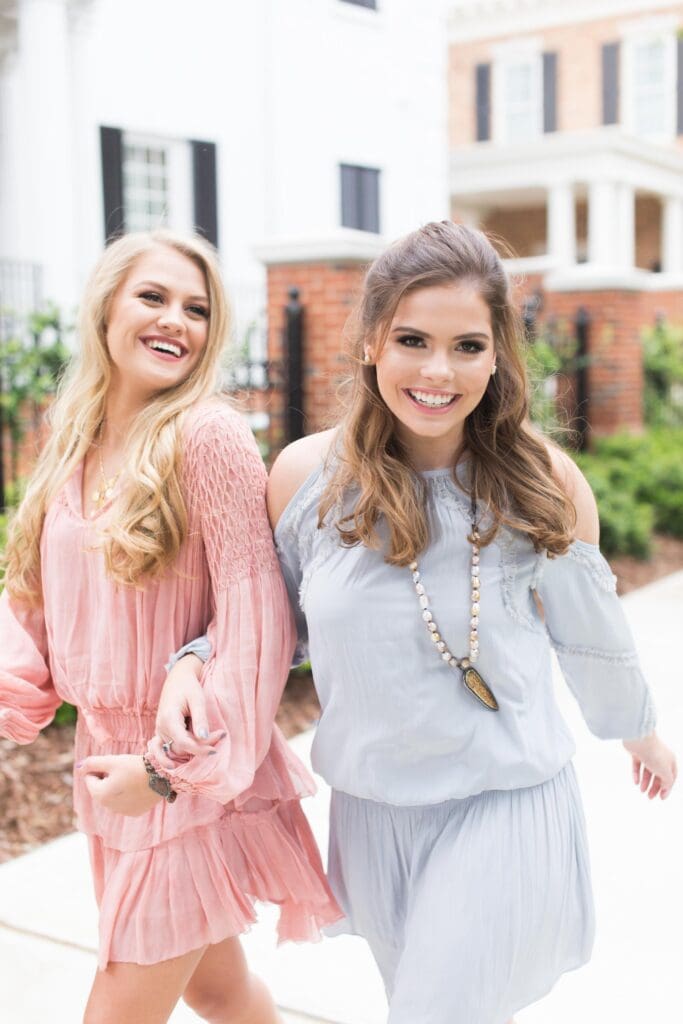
{"points": [[182, 719], [119, 783], [654, 766]]}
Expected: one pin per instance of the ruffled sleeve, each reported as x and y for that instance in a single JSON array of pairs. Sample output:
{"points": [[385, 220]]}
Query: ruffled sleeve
{"points": [[588, 629], [251, 632], [27, 697]]}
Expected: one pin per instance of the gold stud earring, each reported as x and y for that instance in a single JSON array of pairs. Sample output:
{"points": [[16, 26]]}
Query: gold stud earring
{"points": [[366, 358]]}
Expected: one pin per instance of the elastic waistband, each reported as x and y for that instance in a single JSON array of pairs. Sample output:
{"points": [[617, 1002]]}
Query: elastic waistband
{"points": [[119, 724]]}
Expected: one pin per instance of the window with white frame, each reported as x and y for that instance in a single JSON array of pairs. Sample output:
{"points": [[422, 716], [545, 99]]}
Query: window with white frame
{"points": [[650, 82], [157, 183], [518, 97]]}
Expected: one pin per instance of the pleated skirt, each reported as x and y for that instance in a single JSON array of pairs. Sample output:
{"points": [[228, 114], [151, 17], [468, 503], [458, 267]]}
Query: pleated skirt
{"points": [[200, 887], [472, 908]]}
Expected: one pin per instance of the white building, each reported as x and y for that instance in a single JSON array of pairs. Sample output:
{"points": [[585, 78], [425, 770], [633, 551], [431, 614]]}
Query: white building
{"points": [[260, 120]]}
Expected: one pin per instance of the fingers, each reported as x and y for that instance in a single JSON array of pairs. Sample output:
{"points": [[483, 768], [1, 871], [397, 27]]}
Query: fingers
{"points": [[94, 785], [636, 770], [156, 748], [172, 730], [169, 751], [645, 779], [200, 721], [93, 765], [655, 788]]}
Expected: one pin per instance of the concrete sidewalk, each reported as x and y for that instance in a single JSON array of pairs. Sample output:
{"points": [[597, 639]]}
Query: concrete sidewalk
{"points": [[48, 918]]}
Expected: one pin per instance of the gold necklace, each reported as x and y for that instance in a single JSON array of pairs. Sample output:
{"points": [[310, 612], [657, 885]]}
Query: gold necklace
{"points": [[105, 491], [470, 677]]}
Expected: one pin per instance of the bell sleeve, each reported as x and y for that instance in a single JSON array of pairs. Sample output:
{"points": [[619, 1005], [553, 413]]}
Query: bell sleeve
{"points": [[588, 629], [27, 697], [250, 637]]}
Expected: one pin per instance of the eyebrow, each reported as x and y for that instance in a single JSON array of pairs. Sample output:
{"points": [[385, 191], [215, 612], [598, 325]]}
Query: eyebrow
{"points": [[164, 288], [456, 337]]}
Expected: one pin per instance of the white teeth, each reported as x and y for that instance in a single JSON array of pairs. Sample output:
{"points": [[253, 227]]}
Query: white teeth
{"points": [[166, 346], [433, 401]]}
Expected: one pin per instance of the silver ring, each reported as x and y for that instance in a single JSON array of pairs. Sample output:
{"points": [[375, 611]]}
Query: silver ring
{"points": [[166, 746]]}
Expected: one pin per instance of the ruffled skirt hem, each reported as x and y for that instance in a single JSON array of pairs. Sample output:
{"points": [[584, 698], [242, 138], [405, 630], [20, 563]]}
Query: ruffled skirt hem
{"points": [[200, 888]]}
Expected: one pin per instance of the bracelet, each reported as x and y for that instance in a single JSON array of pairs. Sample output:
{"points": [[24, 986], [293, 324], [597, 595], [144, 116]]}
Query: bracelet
{"points": [[158, 783]]}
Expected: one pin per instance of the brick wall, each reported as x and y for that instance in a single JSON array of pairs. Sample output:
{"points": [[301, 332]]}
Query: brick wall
{"points": [[328, 293], [579, 71]]}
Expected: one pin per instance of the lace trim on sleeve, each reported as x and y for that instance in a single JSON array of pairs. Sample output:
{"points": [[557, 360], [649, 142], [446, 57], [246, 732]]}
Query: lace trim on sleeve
{"points": [[226, 483], [592, 560], [627, 659]]}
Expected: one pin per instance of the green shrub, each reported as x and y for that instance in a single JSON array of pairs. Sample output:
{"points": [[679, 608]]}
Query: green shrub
{"points": [[663, 374], [638, 485]]}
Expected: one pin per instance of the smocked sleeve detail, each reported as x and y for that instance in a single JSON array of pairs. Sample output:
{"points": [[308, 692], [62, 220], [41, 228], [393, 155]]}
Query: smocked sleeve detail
{"points": [[226, 481], [588, 629], [27, 697], [251, 632]]}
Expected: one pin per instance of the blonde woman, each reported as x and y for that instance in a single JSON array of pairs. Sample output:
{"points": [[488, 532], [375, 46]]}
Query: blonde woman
{"points": [[143, 524], [414, 540]]}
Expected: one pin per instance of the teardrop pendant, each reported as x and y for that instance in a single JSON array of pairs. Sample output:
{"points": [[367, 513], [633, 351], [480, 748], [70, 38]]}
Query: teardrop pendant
{"points": [[476, 685]]}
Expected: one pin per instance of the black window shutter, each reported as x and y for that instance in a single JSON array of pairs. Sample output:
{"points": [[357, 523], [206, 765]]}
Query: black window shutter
{"points": [[483, 101], [549, 92], [679, 89], [360, 197], [205, 190], [111, 149], [369, 199], [349, 214], [610, 83]]}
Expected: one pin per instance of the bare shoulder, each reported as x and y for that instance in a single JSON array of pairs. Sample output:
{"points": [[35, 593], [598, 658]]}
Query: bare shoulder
{"points": [[570, 477], [294, 464]]}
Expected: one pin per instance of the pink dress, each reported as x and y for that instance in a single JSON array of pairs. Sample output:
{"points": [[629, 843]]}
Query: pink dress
{"points": [[188, 873]]}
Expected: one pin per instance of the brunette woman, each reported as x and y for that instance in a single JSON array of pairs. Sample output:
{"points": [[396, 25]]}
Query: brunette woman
{"points": [[435, 548]]}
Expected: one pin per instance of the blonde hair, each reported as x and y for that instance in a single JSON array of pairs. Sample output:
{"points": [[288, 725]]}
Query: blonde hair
{"points": [[509, 467], [149, 520]]}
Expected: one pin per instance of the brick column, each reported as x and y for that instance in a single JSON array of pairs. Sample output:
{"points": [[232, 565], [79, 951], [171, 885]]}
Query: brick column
{"points": [[327, 274], [615, 370]]}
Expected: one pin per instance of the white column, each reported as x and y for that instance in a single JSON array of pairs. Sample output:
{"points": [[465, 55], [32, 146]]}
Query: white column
{"points": [[48, 192], [672, 235], [625, 226], [602, 233], [562, 224]]}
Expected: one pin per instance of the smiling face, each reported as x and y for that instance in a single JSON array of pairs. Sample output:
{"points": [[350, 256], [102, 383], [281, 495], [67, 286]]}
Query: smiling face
{"points": [[157, 323], [434, 367]]}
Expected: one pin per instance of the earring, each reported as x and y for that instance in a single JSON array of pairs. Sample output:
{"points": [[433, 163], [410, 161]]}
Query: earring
{"points": [[493, 370], [366, 358]]}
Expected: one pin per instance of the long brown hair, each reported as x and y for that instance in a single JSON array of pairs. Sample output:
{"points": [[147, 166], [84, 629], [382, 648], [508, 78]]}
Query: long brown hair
{"points": [[509, 466], [149, 522]]}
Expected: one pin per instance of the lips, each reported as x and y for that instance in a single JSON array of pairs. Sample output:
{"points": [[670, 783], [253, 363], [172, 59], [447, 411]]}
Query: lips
{"points": [[431, 401], [165, 348]]}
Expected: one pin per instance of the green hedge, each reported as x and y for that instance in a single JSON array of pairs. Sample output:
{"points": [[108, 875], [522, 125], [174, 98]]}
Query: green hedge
{"points": [[638, 484]]}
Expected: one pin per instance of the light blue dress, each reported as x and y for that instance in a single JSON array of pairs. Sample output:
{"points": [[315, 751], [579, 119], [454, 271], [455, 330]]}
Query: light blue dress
{"points": [[457, 843]]}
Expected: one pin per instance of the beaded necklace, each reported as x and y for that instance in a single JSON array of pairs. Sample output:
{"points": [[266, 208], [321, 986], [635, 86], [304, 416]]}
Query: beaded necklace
{"points": [[470, 677]]}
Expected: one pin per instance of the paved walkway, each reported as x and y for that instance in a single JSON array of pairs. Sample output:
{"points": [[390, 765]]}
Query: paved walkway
{"points": [[48, 919]]}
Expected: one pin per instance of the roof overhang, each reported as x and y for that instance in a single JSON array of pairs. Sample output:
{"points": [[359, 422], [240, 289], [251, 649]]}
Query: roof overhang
{"points": [[483, 173]]}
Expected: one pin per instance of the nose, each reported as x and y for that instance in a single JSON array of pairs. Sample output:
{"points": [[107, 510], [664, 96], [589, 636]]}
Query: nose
{"points": [[171, 319], [437, 367]]}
